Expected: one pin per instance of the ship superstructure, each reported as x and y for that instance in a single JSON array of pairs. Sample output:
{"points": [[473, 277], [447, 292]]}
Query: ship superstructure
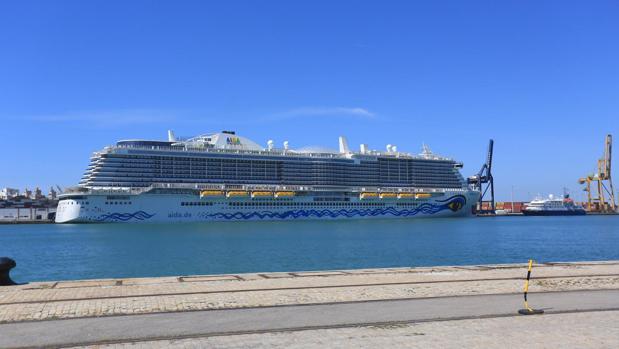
{"points": [[223, 176]]}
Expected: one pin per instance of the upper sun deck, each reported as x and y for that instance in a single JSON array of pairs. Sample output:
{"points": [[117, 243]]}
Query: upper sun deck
{"points": [[227, 142]]}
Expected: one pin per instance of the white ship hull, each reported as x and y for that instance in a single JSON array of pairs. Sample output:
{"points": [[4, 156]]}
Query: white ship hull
{"points": [[98, 208]]}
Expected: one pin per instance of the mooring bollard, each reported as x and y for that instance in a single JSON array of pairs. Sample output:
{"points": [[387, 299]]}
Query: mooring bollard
{"points": [[6, 264], [528, 310]]}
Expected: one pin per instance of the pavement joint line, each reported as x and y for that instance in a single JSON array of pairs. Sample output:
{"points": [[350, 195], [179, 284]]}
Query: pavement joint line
{"points": [[188, 278], [299, 288], [318, 274], [289, 275], [312, 328], [302, 305]]}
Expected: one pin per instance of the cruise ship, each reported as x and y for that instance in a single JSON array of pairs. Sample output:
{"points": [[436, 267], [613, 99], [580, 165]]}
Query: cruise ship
{"points": [[553, 207], [226, 177]]}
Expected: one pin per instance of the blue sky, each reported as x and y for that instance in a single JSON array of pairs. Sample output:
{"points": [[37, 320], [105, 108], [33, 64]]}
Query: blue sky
{"points": [[540, 77]]}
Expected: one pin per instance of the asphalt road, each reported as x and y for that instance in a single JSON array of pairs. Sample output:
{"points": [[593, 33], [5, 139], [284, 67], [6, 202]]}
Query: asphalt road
{"points": [[218, 322]]}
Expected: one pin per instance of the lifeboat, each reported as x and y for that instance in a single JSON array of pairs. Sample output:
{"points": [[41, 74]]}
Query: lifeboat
{"points": [[406, 196], [388, 195], [284, 194], [423, 196], [261, 194], [368, 195], [211, 193], [237, 193]]}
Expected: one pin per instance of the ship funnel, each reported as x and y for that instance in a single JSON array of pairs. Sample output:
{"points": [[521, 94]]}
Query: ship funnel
{"points": [[286, 145], [171, 136], [270, 144], [388, 148], [344, 145], [363, 148]]}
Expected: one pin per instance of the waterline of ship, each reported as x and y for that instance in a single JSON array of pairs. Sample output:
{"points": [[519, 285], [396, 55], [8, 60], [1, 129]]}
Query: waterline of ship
{"points": [[225, 177]]}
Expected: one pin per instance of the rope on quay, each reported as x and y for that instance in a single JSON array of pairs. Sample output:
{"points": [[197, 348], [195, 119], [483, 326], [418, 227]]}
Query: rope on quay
{"points": [[527, 309]]}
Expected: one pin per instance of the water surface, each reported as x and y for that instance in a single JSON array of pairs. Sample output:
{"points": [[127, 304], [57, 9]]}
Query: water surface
{"points": [[57, 252]]}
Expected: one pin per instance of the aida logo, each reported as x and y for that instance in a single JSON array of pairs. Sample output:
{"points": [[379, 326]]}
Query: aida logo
{"points": [[233, 140]]}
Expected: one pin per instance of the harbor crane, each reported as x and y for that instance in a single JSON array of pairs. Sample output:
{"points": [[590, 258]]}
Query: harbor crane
{"points": [[602, 183], [483, 181]]}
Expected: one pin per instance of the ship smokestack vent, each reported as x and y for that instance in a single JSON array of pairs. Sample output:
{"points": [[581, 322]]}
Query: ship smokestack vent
{"points": [[344, 145], [171, 136]]}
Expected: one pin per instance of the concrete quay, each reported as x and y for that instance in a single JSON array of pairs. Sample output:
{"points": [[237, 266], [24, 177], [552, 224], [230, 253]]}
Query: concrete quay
{"points": [[470, 306]]}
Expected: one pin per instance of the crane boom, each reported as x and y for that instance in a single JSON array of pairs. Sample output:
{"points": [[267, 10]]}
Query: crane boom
{"points": [[596, 200], [484, 176]]}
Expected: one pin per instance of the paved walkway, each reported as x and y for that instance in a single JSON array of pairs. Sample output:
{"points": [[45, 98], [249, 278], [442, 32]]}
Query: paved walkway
{"points": [[591, 330], [191, 309], [287, 318], [75, 299]]}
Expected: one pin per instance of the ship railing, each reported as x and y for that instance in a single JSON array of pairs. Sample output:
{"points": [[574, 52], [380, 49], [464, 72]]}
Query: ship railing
{"points": [[251, 187], [271, 187], [278, 152], [248, 187]]}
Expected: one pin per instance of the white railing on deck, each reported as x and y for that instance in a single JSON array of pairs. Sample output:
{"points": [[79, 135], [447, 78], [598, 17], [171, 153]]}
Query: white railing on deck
{"points": [[250, 187]]}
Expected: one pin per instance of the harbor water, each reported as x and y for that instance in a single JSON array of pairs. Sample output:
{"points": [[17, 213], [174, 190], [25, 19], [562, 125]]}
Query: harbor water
{"points": [[85, 251]]}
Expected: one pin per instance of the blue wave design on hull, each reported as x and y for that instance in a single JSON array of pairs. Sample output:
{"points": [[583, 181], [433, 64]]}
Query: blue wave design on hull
{"points": [[453, 203], [124, 217]]}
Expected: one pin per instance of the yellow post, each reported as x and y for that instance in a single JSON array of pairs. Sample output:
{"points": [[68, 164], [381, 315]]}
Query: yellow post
{"points": [[527, 310], [526, 286]]}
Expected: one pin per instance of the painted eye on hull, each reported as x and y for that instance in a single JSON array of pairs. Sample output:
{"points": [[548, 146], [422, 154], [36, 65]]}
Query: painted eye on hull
{"points": [[455, 205]]}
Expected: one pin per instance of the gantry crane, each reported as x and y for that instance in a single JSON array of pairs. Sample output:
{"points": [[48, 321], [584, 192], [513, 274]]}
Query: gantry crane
{"points": [[596, 201], [484, 176]]}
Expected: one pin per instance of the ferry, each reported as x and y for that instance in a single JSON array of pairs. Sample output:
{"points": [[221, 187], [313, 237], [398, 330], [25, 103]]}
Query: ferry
{"points": [[226, 177], [553, 207]]}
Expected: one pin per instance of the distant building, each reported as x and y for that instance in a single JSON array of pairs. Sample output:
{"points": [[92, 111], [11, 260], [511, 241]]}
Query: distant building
{"points": [[38, 194], [52, 194], [8, 193]]}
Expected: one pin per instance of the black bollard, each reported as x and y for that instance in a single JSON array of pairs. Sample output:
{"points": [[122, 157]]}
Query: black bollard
{"points": [[6, 264]]}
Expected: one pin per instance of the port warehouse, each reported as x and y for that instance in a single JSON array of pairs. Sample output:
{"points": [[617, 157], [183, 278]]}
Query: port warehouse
{"points": [[14, 214], [517, 206]]}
